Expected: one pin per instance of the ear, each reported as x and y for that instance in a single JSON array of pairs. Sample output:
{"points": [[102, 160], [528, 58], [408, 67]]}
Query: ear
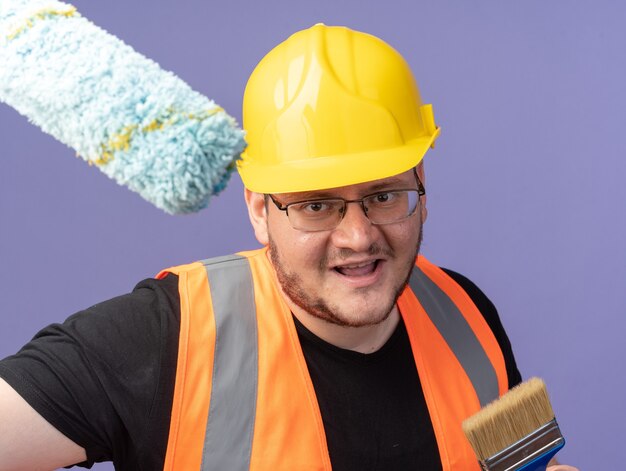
{"points": [[257, 212], [422, 177]]}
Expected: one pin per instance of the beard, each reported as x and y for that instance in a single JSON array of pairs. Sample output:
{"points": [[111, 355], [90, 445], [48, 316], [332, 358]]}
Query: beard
{"points": [[316, 306]]}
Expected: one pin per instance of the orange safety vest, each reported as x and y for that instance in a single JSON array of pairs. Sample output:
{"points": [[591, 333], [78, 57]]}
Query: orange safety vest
{"points": [[244, 400]]}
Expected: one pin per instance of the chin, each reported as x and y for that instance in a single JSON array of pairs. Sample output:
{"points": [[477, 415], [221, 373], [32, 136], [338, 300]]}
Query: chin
{"points": [[358, 316]]}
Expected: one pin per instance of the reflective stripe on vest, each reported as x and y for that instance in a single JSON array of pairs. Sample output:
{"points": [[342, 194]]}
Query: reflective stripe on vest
{"points": [[449, 372], [243, 398], [228, 438], [449, 321]]}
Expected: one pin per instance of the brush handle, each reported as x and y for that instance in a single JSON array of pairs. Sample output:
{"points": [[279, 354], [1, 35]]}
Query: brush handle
{"points": [[541, 463], [531, 453]]}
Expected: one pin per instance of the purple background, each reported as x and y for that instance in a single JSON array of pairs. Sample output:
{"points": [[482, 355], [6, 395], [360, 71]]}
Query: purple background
{"points": [[526, 185]]}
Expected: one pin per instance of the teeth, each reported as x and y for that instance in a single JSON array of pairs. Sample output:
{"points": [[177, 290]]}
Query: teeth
{"points": [[356, 265], [357, 269]]}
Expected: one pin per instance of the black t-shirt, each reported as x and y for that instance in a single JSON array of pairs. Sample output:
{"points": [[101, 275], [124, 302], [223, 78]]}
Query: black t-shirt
{"points": [[105, 378]]}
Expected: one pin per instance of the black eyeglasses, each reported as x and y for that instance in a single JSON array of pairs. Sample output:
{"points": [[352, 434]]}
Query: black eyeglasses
{"points": [[382, 207]]}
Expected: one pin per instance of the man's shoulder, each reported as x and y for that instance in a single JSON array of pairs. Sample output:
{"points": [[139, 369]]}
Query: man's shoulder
{"points": [[468, 285], [200, 265], [478, 297], [491, 316]]}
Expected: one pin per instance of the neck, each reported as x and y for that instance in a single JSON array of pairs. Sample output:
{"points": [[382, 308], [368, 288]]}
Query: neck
{"points": [[365, 339]]}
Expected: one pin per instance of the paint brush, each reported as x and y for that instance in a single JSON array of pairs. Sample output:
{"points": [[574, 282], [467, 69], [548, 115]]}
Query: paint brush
{"points": [[516, 432]]}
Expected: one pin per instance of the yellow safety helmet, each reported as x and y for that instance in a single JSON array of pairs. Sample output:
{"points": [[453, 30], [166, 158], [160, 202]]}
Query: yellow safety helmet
{"points": [[331, 107]]}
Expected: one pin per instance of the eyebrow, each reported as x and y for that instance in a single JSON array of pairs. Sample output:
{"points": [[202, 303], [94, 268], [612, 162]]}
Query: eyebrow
{"points": [[393, 181], [328, 194]]}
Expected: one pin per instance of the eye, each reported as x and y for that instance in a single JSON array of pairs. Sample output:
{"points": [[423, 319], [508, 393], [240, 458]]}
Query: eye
{"points": [[315, 207], [384, 198]]}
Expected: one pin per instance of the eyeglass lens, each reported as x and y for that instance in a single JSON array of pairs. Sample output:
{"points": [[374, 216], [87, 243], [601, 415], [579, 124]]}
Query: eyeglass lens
{"points": [[380, 208]]}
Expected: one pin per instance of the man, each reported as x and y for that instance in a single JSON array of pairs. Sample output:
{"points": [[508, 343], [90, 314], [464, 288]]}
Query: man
{"points": [[329, 347]]}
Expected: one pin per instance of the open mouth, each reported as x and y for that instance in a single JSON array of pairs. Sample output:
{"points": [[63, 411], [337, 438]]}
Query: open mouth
{"points": [[358, 269]]}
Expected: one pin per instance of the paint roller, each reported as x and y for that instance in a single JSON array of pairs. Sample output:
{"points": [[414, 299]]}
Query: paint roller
{"points": [[139, 124]]}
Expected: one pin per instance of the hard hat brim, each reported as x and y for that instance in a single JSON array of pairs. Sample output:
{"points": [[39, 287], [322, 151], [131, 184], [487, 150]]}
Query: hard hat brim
{"points": [[332, 171]]}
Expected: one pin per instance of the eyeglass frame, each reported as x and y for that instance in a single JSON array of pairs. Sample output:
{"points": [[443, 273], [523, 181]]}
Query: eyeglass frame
{"points": [[421, 191]]}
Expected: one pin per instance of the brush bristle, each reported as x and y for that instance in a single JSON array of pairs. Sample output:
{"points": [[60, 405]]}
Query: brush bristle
{"points": [[522, 410]]}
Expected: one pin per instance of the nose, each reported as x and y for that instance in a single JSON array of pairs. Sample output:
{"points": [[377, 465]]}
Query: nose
{"points": [[355, 231]]}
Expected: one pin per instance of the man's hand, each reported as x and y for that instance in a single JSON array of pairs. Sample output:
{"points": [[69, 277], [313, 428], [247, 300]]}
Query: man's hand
{"points": [[27, 441], [554, 465]]}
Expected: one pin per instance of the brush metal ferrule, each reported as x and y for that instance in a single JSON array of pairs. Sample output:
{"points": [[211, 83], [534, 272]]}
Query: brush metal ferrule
{"points": [[545, 439]]}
